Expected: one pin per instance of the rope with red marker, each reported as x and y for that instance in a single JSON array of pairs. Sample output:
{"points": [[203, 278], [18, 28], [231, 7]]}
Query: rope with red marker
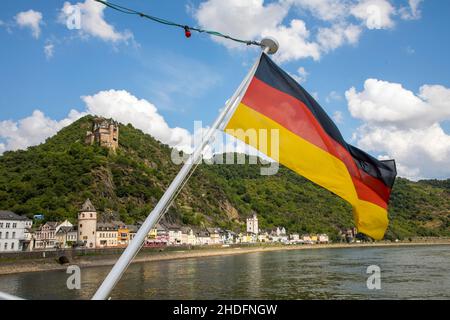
{"points": [[187, 29]]}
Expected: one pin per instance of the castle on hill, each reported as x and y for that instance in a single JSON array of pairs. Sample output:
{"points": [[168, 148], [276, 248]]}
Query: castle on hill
{"points": [[105, 132]]}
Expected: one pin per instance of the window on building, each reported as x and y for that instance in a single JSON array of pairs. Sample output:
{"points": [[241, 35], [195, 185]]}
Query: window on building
{"points": [[81, 226], [6, 246], [90, 215], [1, 224], [7, 225], [14, 225], [0, 234], [6, 235], [13, 235], [12, 245]]}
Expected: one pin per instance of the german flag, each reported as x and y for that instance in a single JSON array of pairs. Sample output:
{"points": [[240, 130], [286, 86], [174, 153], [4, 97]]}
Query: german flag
{"points": [[311, 145]]}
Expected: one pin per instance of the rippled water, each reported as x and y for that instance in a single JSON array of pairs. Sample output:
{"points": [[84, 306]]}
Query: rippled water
{"points": [[406, 273]]}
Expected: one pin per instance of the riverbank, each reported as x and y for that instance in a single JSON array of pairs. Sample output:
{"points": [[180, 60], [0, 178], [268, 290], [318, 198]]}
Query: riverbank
{"points": [[86, 261]]}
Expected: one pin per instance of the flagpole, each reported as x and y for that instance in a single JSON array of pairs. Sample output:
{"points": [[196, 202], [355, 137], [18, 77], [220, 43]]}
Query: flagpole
{"points": [[269, 46]]}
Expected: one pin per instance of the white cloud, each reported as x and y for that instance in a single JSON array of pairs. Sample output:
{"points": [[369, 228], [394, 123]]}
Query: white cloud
{"points": [[376, 14], [294, 41], [338, 117], [49, 49], [386, 103], [117, 104], [334, 37], [334, 27], [300, 76], [32, 130], [333, 96], [126, 108], [405, 126], [328, 10], [92, 21], [30, 19], [123, 107], [244, 19], [412, 12]]}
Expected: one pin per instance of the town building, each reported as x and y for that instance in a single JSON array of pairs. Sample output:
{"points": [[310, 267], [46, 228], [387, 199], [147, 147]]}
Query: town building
{"points": [[87, 225], [104, 133], [263, 237], [28, 244], [228, 237], [214, 234], [107, 235], [123, 235], [175, 236], [45, 236], [323, 238], [246, 238], [188, 237], [12, 231], [307, 239], [66, 237], [159, 235], [203, 238], [132, 230], [252, 224]]}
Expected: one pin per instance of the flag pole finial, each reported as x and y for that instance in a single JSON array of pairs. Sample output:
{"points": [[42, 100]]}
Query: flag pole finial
{"points": [[271, 44]]}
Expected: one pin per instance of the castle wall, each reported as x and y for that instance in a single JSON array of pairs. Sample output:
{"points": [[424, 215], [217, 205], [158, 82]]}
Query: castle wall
{"points": [[105, 133]]}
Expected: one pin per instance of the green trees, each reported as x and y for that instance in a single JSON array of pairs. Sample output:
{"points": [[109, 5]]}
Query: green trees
{"points": [[56, 177]]}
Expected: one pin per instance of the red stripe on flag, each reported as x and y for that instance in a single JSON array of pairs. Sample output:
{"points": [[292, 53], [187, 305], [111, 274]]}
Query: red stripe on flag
{"points": [[295, 116]]}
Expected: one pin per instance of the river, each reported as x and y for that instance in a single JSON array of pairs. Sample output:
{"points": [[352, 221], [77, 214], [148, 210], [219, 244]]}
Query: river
{"points": [[418, 272]]}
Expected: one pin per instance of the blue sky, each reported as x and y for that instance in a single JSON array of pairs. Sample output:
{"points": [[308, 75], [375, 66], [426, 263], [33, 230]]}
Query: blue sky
{"points": [[190, 79]]}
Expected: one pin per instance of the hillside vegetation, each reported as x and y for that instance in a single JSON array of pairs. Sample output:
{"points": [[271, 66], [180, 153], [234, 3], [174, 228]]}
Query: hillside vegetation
{"points": [[56, 177]]}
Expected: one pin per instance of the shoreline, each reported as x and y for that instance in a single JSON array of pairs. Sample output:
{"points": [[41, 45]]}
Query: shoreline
{"points": [[37, 265]]}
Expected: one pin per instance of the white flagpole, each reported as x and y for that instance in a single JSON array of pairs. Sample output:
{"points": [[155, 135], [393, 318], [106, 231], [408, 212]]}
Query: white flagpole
{"points": [[270, 46]]}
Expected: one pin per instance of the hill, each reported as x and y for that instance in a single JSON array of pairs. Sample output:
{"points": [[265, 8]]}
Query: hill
{"points": [[55, 178]]}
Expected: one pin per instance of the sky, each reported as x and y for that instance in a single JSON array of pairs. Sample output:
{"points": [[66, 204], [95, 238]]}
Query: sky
{"points": [[379, 68]]}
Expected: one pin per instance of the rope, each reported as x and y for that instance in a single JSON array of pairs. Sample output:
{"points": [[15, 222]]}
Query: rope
{"points": [[186, 28]]}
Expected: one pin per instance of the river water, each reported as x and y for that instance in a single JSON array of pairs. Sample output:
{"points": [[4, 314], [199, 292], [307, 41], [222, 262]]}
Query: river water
{"points": [[419, 272]]}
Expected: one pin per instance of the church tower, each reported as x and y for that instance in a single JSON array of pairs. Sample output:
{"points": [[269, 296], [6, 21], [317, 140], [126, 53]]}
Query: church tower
{"points": [[87, 224]]}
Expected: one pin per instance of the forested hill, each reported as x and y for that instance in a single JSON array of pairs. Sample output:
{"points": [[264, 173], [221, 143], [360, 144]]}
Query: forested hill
{"points": [[56, 177]]}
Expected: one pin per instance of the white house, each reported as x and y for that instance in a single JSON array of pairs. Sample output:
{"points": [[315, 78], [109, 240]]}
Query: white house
{"points": [[12, 231], [203, 238], [175, 236], [214, 234], [46, 235], [66, 237], [227, 237], [323, 238], [188, 237], [107, 235]]}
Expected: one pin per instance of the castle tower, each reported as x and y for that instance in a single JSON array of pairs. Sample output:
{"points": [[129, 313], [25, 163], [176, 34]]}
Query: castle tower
{"points": [[252, 224], [87, 224], [105, 133]]}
